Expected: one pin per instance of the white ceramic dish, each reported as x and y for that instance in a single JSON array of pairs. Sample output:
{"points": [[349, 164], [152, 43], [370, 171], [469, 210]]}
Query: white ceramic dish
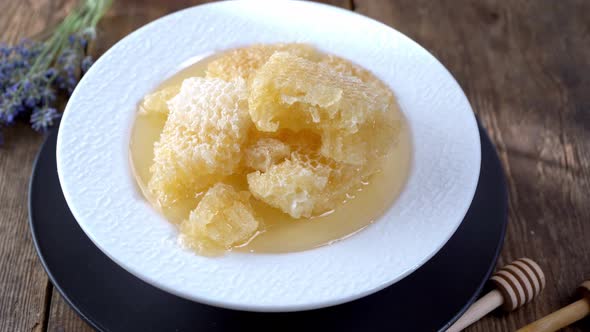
{"points": [[93, 159]]}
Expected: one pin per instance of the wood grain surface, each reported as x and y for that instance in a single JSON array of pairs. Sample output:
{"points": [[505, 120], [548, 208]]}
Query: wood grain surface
{"points": [[525, 67]]}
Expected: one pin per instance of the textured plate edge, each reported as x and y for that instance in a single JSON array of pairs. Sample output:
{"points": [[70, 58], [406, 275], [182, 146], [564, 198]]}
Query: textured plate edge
{"points": [[323, 303]]}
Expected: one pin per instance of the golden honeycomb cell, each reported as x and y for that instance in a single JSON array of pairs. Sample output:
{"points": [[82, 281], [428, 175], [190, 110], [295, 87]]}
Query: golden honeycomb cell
{"points": [[290, 92], [265, 152], [290, 186], [304, 185], [223, 218], [243, 62], [156, 103], [202, 139]]}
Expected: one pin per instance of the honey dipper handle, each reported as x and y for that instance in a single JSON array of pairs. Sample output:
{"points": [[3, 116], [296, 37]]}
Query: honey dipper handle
{"points": [[561, 318], [482, 307]]}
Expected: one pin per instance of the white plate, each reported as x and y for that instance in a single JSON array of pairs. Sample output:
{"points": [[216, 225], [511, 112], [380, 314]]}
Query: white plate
{"points": [[94, 170]]}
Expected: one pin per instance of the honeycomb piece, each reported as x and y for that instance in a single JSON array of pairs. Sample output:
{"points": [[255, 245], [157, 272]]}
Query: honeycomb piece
{"points": [[375, 136], [374, 139], [290, 186], [155, 103], [346, 67], [305, 185], [343, 181], [265, 152], [201, 140], [223, 218], [294, 93], [243, 62]]}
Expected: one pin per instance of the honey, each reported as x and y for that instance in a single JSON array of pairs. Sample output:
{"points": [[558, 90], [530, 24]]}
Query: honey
{"points": [[280, 231]]}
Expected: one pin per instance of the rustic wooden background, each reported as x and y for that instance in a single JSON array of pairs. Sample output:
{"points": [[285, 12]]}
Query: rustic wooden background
{"points": [[525, 66]]}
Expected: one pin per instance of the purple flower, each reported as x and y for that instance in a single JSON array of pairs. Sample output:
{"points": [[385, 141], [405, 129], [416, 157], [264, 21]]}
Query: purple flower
{"points": [[11, 110], [31, 102], [46, 95], [26, 85], [83, 42], [27, 94], [50, 73], [29, 91], [42, 118], [87, 62]]}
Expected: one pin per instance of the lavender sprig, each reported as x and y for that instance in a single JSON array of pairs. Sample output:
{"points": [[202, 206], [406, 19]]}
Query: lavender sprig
{"points": [[34, 73]]}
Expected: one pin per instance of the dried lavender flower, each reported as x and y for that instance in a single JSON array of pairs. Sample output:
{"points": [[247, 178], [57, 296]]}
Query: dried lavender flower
{"points": [[34, 72]]}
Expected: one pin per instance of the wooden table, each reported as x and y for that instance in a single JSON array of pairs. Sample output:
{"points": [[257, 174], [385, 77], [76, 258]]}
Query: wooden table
{"points": [[525, 66]]}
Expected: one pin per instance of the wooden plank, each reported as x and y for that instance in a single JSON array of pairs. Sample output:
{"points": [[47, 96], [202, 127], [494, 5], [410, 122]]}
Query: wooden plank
{"points": [[63, 319], [23, 283], [525, 67]]}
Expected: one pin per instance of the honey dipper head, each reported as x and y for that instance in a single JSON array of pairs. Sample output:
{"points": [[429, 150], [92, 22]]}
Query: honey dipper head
{"points": [[519, 282]]}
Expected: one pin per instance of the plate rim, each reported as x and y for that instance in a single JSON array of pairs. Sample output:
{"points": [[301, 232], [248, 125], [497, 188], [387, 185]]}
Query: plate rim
{"points": [[250, 305]]}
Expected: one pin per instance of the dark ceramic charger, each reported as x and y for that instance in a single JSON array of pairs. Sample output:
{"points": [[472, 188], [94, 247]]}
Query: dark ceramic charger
{"points": [[111, 299]]}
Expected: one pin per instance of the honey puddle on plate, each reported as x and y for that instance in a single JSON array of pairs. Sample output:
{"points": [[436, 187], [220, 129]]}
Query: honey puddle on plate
{"points": [[281, 233]]}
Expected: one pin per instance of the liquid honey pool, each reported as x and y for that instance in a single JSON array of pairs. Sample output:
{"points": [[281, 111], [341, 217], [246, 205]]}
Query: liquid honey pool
{"points": [[282, 233]]}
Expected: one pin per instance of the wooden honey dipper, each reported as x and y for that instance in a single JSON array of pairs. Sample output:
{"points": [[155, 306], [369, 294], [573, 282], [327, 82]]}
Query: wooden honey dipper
{"points": [[564, 316], [516, 284]]}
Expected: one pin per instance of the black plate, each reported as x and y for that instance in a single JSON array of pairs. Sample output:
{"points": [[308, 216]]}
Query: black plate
{"points": [[111, 299]]}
